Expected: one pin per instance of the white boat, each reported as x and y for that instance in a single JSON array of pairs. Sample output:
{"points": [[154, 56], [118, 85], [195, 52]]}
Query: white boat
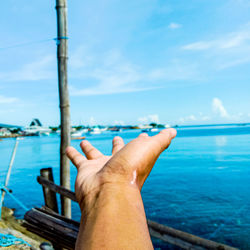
{"points": [[85, 130], [77, 134], [147, 130], [153, 129], [36, 128], [95, 131]]}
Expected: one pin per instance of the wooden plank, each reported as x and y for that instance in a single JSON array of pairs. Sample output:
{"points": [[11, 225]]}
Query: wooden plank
{"points": [[58, 216], [58, 189], [49, 235], [57, 230], [56, 225], [173, 240]]}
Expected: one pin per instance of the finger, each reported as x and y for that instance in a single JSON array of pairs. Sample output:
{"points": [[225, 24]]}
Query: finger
{"points": [[143, 135], [75, 156], [164, 137], [90, 151], [118, 144]]}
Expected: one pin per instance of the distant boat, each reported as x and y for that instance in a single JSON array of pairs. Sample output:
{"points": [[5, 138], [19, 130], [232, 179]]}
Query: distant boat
{"points": [[79, 133], [104, 129], [36, 128], [95, 131], [154, 129], [85, 130], [76, 134], [79, 138], [115, 129], [147, 130]]}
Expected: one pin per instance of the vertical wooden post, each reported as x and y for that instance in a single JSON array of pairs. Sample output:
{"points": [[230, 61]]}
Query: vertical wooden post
{"points": [[62, 58], [49, 196]]}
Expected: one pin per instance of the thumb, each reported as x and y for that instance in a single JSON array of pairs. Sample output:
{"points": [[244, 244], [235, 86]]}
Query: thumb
{"points": [[165, 137]]}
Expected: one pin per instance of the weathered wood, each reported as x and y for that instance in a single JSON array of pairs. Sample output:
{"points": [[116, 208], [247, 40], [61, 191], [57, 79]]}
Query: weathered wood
{"points": [[58, 229], [58, 216], [191, 239], [58, 189], [173, 240], [62, 59], [49, 195]]}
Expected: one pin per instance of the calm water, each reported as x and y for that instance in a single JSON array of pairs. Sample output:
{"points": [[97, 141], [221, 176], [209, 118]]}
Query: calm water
{"points": [[199, 185]]}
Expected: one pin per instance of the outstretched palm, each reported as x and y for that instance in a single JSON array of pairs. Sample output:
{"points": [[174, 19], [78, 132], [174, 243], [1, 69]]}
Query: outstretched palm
{"points": [[129, 164]]}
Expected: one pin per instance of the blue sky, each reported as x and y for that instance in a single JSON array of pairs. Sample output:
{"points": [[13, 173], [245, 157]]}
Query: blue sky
{"points": [[130, 62]]}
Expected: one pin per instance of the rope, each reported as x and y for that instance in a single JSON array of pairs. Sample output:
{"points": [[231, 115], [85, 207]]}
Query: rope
{"points": [[57, 39], [8, 240], [26, 44], [4, 189]]}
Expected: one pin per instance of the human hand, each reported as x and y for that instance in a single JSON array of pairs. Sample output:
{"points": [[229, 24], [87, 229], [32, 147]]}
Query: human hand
{"points": [[128, 166]]}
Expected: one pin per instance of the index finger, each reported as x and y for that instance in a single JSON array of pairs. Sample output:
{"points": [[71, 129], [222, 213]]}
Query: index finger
{"points": [[75, 156]]}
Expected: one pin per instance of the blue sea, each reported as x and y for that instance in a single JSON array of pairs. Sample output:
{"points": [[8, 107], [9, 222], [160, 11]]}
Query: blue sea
{"points": [[200, 185]]}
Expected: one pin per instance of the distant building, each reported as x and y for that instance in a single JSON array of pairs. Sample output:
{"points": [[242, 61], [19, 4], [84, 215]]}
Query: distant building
{"points": [[36, 122], [9, 126], [36, 128], [4, 132]]}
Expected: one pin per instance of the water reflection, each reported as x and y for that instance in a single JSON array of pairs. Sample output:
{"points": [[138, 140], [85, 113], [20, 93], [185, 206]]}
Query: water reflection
{"points": [[220, 141]]}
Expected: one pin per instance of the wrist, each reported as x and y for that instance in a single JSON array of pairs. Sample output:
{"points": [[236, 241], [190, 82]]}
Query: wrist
{"points": [[111, 216], [107, 194]]}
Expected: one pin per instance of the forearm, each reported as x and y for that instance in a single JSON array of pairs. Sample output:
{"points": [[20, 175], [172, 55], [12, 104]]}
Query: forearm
{"points": [[115, 219]]}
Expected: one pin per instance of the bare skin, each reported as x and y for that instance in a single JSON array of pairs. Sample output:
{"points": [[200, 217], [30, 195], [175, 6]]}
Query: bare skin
{"points": [[108, 191]]}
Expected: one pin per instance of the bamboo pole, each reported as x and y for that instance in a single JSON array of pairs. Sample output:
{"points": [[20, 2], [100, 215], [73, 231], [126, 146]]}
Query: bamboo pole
{"points": [[9, 169], [62, 58]]}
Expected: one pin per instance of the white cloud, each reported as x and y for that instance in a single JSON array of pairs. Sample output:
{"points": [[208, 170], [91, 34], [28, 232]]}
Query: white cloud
{"points": [[218, 108], [143, 120], [110, 73], [39, 69], [174, 26], [227, 50], [154, 118], [119, 123], [176, 70], [7, 100], [229, 41], [189, 118], [199, 45], [92, 121], [234, 62], [192, 118], [205, 118], [80, 58]]}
